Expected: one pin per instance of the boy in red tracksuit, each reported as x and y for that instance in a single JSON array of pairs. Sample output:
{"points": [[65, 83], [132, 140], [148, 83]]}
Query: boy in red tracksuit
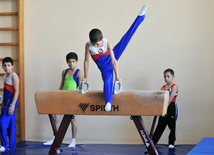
{"points": [[172, 111]]}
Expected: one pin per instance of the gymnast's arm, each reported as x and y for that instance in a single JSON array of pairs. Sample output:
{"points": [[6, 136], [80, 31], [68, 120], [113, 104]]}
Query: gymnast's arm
{"points": [[114, 62], [62, 81], [15, 79], [86, 62], [80, 78]]}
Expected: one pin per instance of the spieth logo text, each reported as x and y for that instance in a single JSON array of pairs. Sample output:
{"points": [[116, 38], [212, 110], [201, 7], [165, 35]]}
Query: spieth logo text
{"points": [[92, 107]]}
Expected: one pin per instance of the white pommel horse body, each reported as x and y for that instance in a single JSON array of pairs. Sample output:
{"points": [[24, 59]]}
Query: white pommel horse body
{"points": [[134, 103]]}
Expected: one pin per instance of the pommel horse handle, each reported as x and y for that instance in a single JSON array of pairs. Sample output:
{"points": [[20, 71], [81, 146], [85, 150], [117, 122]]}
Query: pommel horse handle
{"points": [[115, 87], [82, 91]]}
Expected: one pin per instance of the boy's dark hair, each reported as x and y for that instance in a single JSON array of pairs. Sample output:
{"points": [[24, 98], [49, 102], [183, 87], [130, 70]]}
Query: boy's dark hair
{"points": [[169, 70], [95, 35], [7, 59], [71, 55]]}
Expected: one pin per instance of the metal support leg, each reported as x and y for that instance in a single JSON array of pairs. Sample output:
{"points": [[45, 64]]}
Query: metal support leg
{"points": [[144, 135], [60, 134]]}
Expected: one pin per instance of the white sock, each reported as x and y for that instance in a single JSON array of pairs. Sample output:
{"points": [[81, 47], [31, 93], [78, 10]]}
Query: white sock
{"points": [[143, 10], [108, 107], [2, 149], [73, 143], [50, 142]]}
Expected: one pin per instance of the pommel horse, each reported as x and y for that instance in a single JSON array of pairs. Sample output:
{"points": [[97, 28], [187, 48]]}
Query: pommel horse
{"points": [[134, 103]]}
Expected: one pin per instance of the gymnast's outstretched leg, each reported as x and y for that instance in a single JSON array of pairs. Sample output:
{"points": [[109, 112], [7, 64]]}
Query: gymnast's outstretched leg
{"points": [[121, 46], [118, 50]]}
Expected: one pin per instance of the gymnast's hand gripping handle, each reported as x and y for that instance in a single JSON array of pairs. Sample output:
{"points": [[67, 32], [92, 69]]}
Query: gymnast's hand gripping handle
{"points": [[82, 91], [115, 91]]}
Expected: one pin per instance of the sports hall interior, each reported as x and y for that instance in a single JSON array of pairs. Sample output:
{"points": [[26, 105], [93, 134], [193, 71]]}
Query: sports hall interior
{"points": [[174, 34]]}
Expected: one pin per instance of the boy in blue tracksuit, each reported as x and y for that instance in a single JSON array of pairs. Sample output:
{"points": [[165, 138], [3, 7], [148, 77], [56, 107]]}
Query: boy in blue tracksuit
{"points": [[106, 57], [10, 101]]}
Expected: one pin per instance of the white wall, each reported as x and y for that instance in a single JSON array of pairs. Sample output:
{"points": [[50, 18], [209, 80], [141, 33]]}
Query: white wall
{"points": [[175, 34], [8, 36]]}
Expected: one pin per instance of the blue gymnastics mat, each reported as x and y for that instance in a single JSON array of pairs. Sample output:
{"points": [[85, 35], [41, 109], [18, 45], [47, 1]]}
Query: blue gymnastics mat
{"points": [[204, 147], [37, 148]]}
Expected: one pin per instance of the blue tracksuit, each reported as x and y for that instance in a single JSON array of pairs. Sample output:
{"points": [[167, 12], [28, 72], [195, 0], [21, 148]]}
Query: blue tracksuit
{"points": [[7, 121]]}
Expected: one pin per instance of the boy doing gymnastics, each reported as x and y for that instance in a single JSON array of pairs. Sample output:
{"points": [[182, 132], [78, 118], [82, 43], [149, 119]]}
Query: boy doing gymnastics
{"points": [[10, 101], [106, 57], [172, 111], [71, 79]]}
